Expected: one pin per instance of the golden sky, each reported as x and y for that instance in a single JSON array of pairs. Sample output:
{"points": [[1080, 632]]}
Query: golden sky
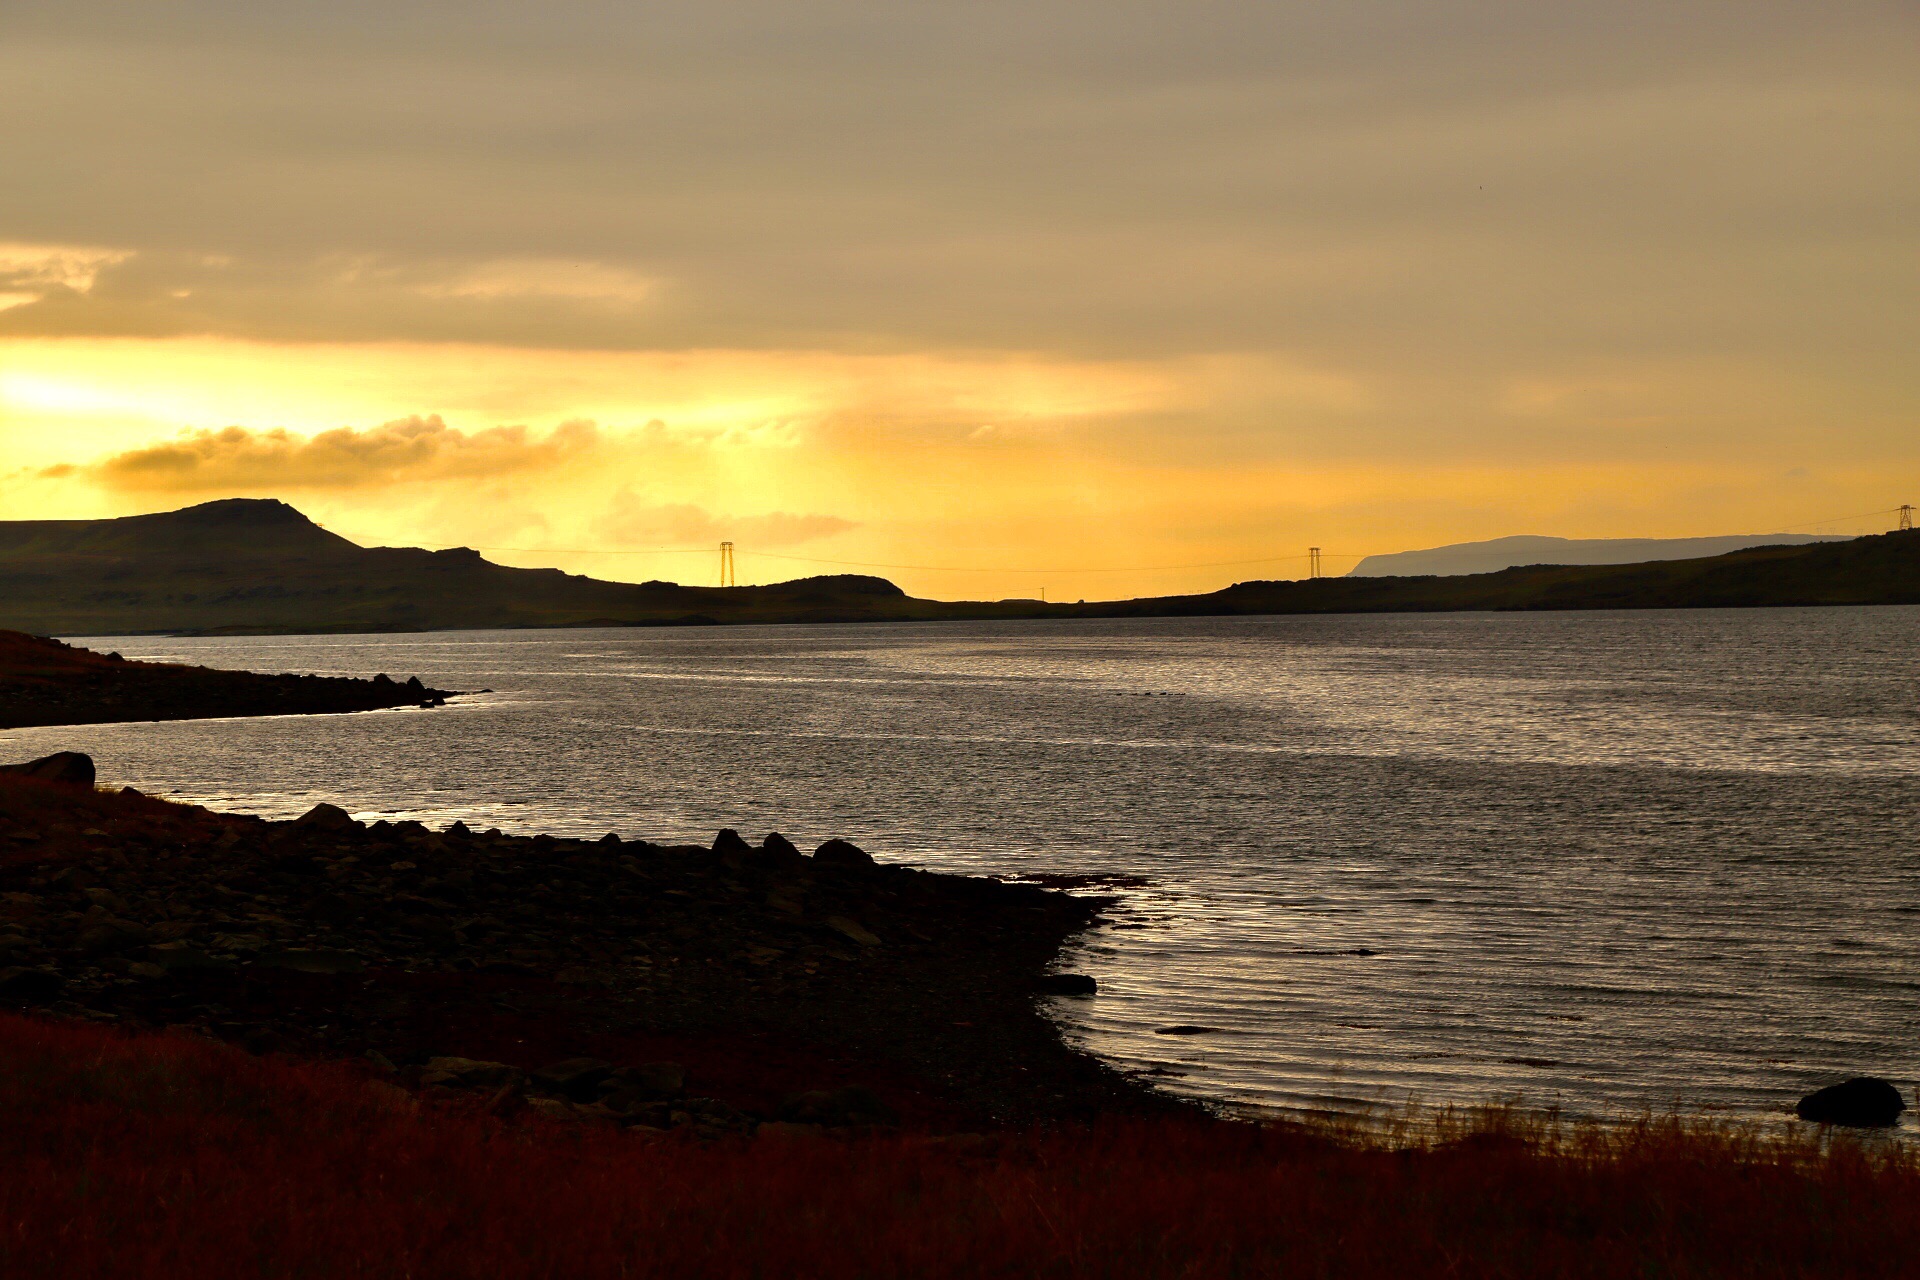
{"points": [[1106, 300]]}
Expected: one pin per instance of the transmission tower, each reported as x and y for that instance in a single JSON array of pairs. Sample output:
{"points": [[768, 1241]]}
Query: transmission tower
{"points": [[1313, 562], [726, 565], [1906, 515]]}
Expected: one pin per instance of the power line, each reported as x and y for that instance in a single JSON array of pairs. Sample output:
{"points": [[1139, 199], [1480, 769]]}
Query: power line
{"points": [[928, 568], [1144, 568]]}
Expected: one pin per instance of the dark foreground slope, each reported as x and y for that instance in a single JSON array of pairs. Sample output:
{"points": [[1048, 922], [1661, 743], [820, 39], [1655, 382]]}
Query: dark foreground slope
{"points": [[168, 1157], [44, 682], [259, 566]]}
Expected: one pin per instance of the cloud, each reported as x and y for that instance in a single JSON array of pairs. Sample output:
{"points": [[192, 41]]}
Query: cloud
{"points": [[543, 278], [408, 449], [29, 272], [633, 521]]}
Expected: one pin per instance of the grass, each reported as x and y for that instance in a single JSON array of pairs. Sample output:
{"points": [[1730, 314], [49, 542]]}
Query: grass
{"points": [[166, 1156]]}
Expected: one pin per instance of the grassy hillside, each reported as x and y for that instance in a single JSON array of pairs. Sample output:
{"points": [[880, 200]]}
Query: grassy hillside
{"points": [[259, 566]]}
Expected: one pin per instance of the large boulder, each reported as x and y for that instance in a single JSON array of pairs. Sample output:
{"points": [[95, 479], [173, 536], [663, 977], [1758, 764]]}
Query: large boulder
{"points": [[327, 817], [842, 853], [71, 767], [1864, 1102]]}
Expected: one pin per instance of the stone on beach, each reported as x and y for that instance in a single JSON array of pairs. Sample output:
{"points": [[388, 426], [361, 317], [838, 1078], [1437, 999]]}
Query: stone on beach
{"points": [[70, 767], [1068, 984], [843, 853], [730, 841], [1866, 1102], [328, 817]]}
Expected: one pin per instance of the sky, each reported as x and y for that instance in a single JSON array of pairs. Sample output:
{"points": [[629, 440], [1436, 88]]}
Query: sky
{"points": [[1095, 300]]}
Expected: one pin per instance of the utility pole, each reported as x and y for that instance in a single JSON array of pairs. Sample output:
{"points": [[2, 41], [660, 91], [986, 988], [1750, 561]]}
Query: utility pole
{"points": [[726, 565], [1906, 515], [1313, 562]]}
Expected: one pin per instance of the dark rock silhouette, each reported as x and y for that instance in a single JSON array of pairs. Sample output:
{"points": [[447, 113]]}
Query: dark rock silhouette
{"points": [[70, 767], [843, 853], [1068, 984], [327, 817], [1865, 1102]]}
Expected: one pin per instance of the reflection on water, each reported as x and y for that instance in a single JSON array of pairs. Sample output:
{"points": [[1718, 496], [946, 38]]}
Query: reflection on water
{"points": [[1609, 859]]}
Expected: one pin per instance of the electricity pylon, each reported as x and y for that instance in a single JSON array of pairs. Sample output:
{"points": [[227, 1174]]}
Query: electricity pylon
{"points": [[726, 565], [1313, 562], [1906, 515]]}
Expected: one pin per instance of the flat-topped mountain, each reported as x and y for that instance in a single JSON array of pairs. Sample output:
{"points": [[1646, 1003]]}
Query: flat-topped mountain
{"points": [[259, 565], [1524, 549], [254, 566]]}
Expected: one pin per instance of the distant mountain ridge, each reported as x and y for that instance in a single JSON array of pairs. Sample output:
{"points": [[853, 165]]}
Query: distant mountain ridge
{"points": [[257, 566], [1522, 549]]}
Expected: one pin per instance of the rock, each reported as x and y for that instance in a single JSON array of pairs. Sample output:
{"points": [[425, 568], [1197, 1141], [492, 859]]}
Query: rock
{"points": [[109, 935], [312, 960], [553, 1108], [1863, 1102], [1184, 1029], [842, 853], [1068, 984], [730, 841], [471, 1073], [838, 1108], [70, 767], [788, 1130], [648, 1082], [29, 986], [779, 845], [328, 817], [578, 1078], [853, 929]]}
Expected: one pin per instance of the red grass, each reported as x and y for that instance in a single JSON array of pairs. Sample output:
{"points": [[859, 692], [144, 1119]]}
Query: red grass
{"points": [[165, 1157]]}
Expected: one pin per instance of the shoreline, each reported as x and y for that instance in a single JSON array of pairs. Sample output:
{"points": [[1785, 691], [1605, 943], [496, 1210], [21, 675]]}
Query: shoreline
{"points": [[45, 684], [763, 972]]}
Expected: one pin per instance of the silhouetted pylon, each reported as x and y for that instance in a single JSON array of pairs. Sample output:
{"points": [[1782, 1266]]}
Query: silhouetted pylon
{"points": [[726, 565]]}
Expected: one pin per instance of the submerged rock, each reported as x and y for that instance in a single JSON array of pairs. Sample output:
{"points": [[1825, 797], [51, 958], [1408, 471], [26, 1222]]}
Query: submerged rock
{"points": [[1863, 1102], [1068, 984]]}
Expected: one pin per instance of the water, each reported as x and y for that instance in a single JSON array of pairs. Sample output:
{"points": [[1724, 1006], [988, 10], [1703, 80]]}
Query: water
{"points": [[1611, 861]]}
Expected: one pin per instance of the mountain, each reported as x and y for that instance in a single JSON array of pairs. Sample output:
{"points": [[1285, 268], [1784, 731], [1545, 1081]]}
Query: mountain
{"points": [[1505, 553], [257, 566]]}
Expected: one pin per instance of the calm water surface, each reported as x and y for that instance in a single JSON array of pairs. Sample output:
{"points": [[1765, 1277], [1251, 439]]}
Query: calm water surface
{"points": [[1608, 860]]}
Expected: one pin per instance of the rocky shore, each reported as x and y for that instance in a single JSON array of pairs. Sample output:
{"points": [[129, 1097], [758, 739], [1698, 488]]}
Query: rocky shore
{"points": [[619, 981], [45, 682]]}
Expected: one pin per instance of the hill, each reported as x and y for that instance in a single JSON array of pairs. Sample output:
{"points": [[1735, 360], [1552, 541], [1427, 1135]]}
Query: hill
{"points": [[249, 565], [1507, 553], [257, 566]]}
